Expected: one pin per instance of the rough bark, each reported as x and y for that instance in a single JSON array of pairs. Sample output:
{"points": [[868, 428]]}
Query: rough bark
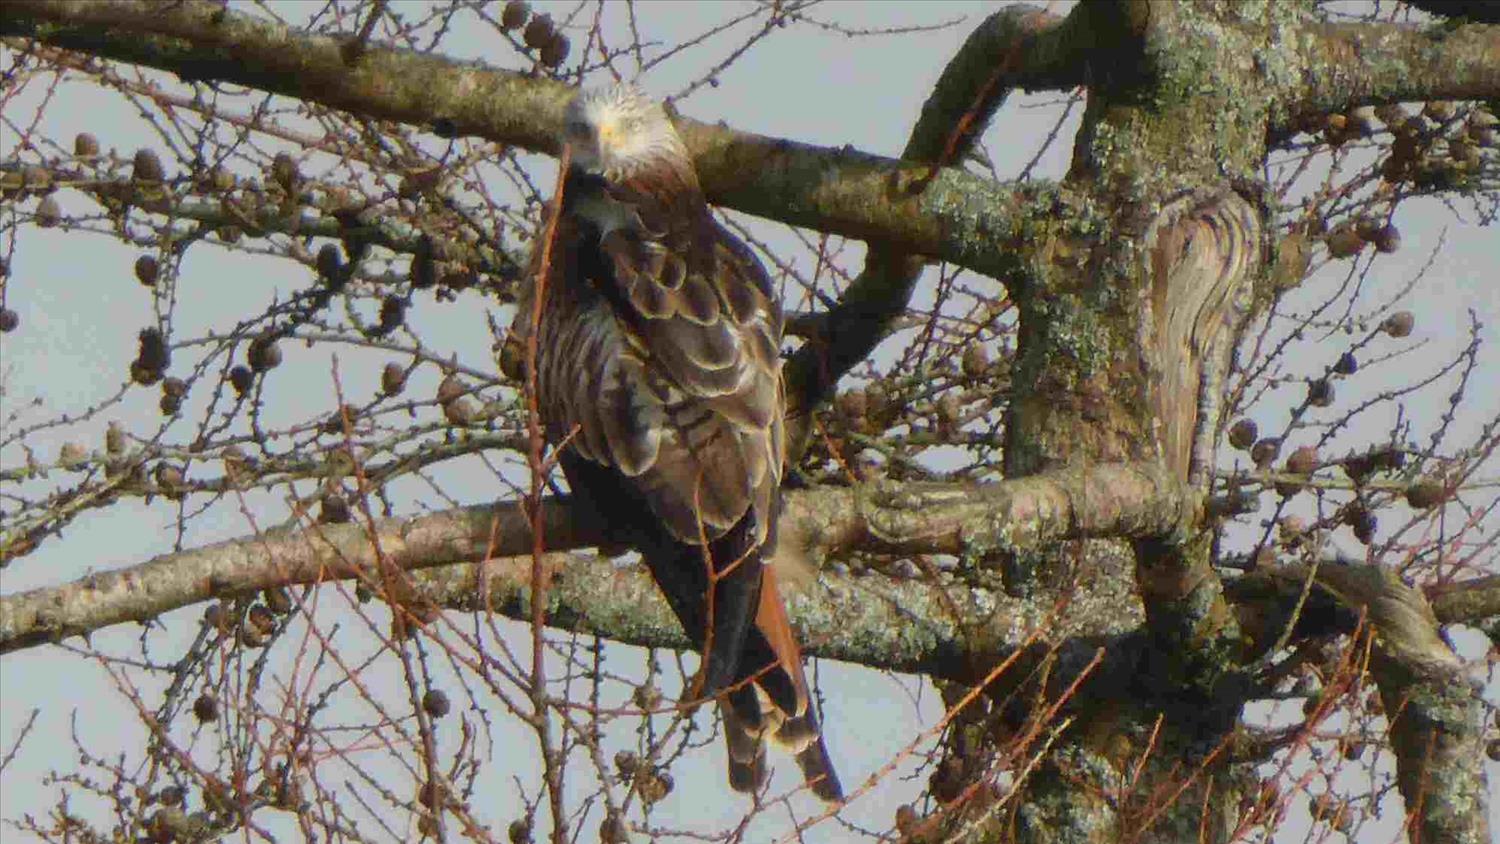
{"points": [[975, 522]]}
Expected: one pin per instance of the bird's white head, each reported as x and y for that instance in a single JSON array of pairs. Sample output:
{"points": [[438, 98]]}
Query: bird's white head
{"points": [[616, 132]]}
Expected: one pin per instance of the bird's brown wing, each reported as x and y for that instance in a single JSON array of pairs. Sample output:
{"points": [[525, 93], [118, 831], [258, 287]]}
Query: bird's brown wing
{"points": [[701, 336]]}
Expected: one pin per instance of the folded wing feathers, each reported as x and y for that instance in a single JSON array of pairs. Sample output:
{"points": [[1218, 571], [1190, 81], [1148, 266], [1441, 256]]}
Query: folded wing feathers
{"points": [[704, 332]]}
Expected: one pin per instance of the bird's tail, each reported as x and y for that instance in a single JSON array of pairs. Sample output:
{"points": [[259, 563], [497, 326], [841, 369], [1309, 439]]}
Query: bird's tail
{"points": [[752, 663], [771, 701]]}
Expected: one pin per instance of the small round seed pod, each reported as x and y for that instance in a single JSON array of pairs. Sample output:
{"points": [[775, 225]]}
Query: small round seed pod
{"points": [[975, 360], [538, 32], [555, 52], [393, 379], [221, 179], [514, 15], [170, 405], [432, 795], [392, 313], [460, 411], [85, 145], [9, 320], [252, 637], [450, 388], [72, 456], [261, 618], [146, 166], [435, 703], [335, 509], [1387, 239], [1242, 434], [48, 212], [1344, 242], [1399, 324], [1320, 392], [1363, 523], [114, 439], [1439, 110], [147, 270], [263, 354], [206, 708], [1426, 493], [1292, 528], [331, 266], [170, 480], [1264, 452], [277, 600], [143, 375], [241, 379], [284, 171], [906, 819], [153, 348], [612, 830], [234, 459], [1303, 461], [646, 697], [1362, 120]]}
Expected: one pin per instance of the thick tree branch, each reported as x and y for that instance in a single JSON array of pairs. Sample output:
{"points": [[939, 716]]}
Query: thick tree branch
{"points": [[945, 628], [974, 521], [1485, 11], [955, 216], [1466, 600], [1345, 65]]}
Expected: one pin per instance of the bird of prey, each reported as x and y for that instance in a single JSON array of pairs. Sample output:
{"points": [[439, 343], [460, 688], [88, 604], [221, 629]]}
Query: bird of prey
{"points": [[658, 375]]}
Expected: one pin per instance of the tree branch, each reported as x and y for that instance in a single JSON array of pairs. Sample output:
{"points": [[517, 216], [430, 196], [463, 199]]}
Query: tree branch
{"points": [[1346, 65], [974, 521], [1483, 11], [957, 217], [946, 629]]}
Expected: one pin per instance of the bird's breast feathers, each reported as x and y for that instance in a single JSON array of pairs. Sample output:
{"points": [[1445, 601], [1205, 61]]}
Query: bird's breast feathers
{"points": [[659, 354]]}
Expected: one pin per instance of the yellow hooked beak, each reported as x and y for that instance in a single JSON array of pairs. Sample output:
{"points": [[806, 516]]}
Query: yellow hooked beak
{"points": [[608, 131]]}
